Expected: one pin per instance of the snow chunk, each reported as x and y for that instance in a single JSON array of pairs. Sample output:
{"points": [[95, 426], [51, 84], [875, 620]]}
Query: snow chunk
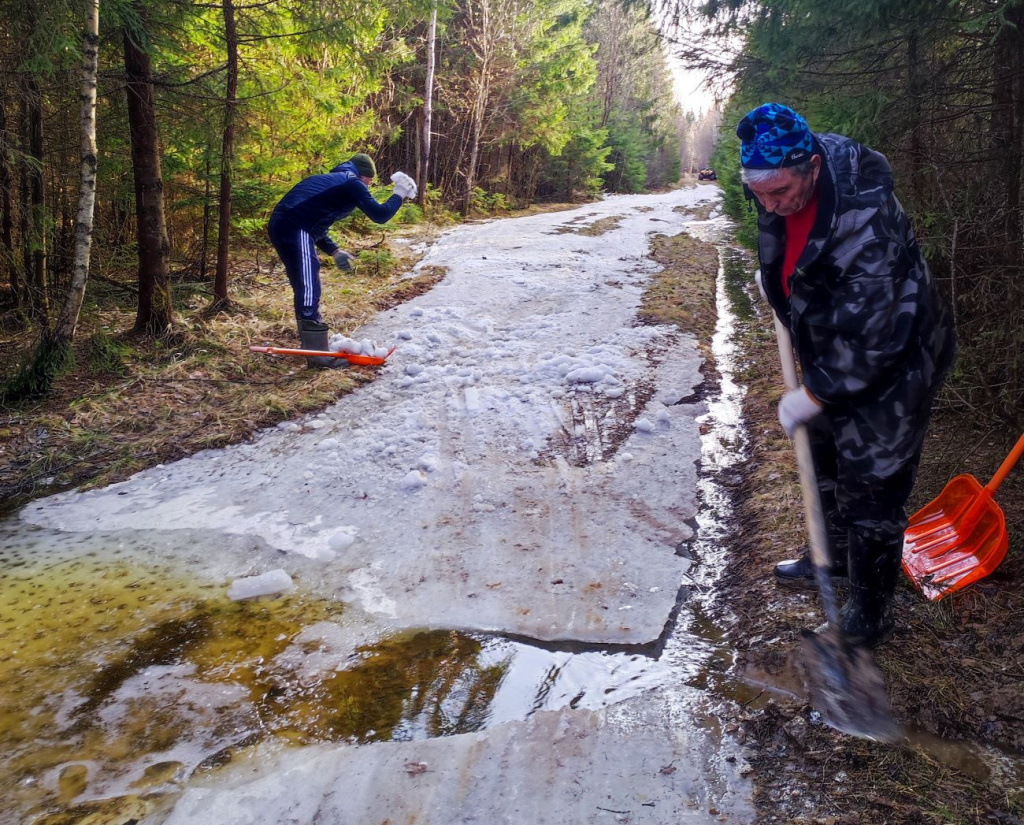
{"points": [[644, 425], [413, 480], [430, 463], [249, 587], [586, 375], [342, 539], [340, 343]]}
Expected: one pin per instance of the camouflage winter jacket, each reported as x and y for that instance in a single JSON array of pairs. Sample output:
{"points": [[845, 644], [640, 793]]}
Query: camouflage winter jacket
{"points": [[864, 311]]}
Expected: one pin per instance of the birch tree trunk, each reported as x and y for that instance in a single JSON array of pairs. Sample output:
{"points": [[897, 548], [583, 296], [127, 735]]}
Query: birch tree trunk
{"points": [[428, 109], [220, 282], [50, 352], [484, 51], [155, 313], [68, 320]]}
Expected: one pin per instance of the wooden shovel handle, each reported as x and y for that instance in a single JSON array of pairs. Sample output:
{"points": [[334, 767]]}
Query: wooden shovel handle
{"points": [[817, 535], [1006, 466]]}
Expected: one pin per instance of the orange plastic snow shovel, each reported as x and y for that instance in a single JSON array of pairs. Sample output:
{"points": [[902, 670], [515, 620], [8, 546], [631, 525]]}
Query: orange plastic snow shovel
{"points": [[361, 360], [960, 536]]}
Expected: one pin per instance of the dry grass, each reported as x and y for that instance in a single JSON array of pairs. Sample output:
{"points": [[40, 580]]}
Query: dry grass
{"points": [[684, 292], [592, 229]]}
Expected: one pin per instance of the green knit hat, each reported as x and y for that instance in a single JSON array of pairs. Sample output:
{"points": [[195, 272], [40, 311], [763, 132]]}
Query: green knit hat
{"points": [[364, 165]]}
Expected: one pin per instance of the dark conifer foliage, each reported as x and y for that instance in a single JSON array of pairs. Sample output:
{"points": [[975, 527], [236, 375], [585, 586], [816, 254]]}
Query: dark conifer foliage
{"points": [[937, 87]]}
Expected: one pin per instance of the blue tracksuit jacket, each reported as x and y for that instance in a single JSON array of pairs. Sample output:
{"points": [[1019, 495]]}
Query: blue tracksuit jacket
{"points": [[302, 218]]}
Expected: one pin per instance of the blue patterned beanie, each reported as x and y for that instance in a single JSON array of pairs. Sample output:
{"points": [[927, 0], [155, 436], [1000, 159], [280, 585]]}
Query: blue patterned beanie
{"points": [[773, 136]]}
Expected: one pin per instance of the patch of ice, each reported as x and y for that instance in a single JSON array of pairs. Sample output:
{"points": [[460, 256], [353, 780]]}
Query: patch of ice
{"points": [[251, 587]]}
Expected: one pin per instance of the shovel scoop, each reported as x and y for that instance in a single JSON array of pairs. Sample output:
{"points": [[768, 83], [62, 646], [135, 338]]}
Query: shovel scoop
{"points": [[352, 358], [960, 536], [847, 687]]}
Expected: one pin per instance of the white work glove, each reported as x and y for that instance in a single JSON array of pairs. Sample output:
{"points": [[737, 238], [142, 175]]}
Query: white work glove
{"points": [[343, 259], [797, 407], [405, 187]]}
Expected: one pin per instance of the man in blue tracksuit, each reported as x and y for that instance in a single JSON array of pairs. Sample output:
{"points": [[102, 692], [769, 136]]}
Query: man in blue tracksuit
{"points": [[301, 221]]}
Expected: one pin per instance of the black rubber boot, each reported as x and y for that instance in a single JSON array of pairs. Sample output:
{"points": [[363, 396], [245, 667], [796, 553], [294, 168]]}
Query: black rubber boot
{"points": [[867, 617], [313, 335], [799, 572]]}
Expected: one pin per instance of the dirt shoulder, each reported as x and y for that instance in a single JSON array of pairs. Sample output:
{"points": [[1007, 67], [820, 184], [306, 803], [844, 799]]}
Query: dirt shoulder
{"points": [[130, 402], [954, 669]]}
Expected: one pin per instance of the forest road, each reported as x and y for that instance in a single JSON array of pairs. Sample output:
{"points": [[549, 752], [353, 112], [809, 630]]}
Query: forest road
{"points": [[525, 465]]}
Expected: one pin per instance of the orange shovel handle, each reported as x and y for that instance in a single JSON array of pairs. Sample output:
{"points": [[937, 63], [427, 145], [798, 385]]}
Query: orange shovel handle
{"points": [[1006, 466], [294, 351]]}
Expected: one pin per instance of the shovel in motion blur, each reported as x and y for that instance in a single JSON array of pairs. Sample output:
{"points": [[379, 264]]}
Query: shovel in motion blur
{"points": [[846, 686], [352, 358], [960, 536]]}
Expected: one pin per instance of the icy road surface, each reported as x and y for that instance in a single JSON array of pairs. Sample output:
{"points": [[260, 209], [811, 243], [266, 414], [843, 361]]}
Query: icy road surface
{"points": [[525, 465], [522, 465]]}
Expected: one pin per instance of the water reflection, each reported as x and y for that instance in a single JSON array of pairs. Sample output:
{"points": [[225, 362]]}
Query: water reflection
{"points": [[119, 678], [723, 447], [415, 685]]}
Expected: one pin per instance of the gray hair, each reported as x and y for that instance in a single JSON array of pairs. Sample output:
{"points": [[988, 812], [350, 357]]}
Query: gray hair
{"points": [[762, 177]]}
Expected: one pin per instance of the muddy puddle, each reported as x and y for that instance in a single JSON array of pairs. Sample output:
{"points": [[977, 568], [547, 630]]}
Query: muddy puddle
{"points": [[121, 675]]}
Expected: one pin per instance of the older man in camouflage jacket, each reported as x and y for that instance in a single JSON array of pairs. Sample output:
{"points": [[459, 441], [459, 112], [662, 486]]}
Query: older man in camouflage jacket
{"points": [[841, 268]]}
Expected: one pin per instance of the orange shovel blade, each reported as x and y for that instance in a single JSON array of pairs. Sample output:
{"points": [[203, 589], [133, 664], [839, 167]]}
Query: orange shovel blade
{"points": [[956, 539], [361, 360]]}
